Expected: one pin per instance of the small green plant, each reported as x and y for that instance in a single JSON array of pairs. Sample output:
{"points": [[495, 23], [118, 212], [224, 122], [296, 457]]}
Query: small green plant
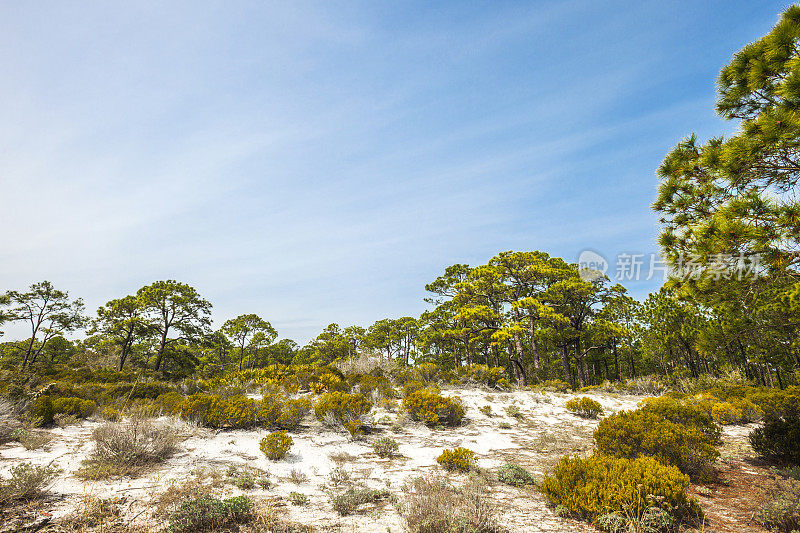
{"points": [[514, 411], [457, 459], [245, 481], [27, 482], [585, 407], [385, 447], [504, 425], [297, 498], [339, 476], [487, 410], [512, 474], [207, 513], [276, 445], [612, 523], [31, 439]]}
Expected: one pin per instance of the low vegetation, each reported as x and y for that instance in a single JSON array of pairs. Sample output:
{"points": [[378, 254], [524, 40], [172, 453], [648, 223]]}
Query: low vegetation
{"points": [[585, 407], [434, 505], [457, 460], [513, 474], [27, 481], [276, 445], [594, 486], [126, 448]]}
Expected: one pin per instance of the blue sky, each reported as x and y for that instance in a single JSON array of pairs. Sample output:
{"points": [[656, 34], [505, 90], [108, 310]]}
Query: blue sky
{"points": [[318, 162]]}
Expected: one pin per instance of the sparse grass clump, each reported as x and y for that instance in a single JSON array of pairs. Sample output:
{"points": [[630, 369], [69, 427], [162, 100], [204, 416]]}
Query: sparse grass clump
{"points": [[457, 460], [207, 513], [434, 409], [347, 502], [433, 505], [124, 448], [276, 445], [385, 447], [27, 482], [31, 439], [513, 474], [514, 411], [585, 407], [298, 477], [597, 485]]}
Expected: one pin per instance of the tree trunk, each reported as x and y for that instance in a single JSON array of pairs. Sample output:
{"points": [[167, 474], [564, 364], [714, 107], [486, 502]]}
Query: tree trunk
{"points": [[565, 364], [162, 345], [534, 349]]}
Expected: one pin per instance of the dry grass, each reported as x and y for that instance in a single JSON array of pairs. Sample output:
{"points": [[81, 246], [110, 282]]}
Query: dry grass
{"points": [[97, 514], [433, 505], [126, 448], [203, 481], [32, 439]]}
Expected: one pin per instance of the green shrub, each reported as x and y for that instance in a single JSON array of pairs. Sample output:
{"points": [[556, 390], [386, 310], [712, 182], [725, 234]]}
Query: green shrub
{"points": [[630, 434], [111, 414], [207, 513], [27, 481], [512, 474], [457, 459], [555, 385], [276, 445], [781, 512], [585, 407], [298, 498], [434, 409], [385, 447], [347, 502], [171, 402], [77, 407], [680, 412], [778, 439], [292, 413], [597, 485], [341, 407], [212, 411], [612, 523], [41, 409], [270, 410]]}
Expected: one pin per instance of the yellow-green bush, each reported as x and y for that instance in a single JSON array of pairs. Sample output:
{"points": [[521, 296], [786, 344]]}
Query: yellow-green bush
{"points": [[270, 409], [677, 411], [276, 445], [585, 407], [434, 409], [110, 413], [293, 412], [171, 402], [74, 406], [725, 413], [457, 459], [235, 412], [554, 385], [630, 434], [341, 407], [597, 485]]}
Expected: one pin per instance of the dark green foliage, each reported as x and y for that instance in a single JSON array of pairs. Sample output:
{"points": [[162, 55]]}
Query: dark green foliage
{"points": [[778, 439]]}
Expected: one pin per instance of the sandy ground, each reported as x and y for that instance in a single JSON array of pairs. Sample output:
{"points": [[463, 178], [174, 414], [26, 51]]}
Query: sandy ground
{"points": [[542, 433]]}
